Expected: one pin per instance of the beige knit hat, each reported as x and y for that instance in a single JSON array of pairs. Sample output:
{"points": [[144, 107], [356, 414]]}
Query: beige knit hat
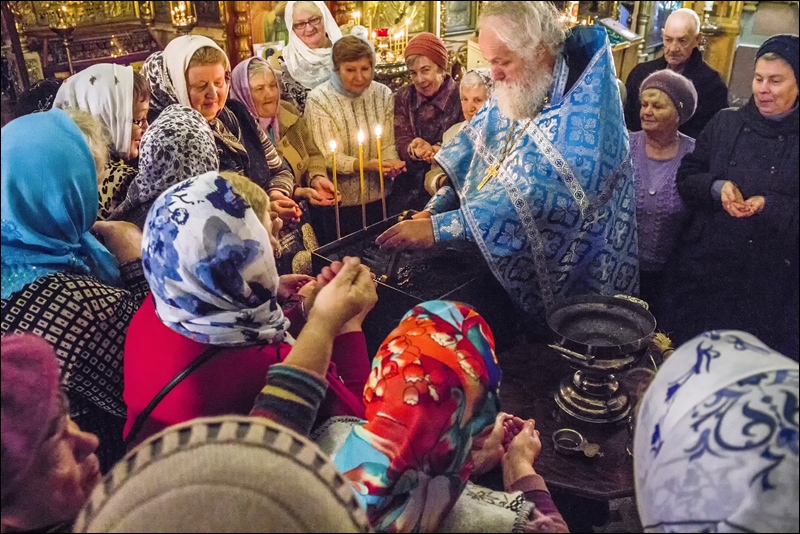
{"points": [[224, 474]]}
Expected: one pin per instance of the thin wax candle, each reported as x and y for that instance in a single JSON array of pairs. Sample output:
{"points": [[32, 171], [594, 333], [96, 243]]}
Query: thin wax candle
{"points": [[332, 146], [378, 132], [361, 172]]}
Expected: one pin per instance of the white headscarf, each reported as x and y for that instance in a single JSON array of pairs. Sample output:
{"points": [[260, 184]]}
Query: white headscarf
{"points": [[177, 55], [310, 66], [716, 442], [106, 91]]}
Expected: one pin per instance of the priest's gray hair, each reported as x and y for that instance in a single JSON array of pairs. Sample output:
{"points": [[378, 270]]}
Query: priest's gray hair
{"points": [[526, 25]]}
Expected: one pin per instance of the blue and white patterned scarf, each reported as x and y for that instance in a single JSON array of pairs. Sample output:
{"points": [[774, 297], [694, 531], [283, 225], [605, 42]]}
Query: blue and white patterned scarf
{"points": [[716, 442], [209, 263]]}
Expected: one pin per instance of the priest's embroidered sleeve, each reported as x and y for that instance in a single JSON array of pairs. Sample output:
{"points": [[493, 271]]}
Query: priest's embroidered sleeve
{"points": [[450, 226]]}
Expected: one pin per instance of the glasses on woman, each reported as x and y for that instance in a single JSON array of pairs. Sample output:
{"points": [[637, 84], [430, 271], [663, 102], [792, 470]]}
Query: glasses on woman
{"points": [[300, 26], [141, 123]]}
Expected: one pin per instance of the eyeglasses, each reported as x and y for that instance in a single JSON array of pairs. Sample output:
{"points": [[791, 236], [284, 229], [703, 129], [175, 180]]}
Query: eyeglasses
{"points": [[299, 26], [141, 123]]}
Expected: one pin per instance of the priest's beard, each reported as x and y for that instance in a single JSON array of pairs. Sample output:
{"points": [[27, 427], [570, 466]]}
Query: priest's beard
{"points": [[523, 100]]}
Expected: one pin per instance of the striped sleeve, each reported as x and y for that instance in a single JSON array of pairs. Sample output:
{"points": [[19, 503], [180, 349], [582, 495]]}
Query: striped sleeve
{"points": [[282, 178], [291, 397]]}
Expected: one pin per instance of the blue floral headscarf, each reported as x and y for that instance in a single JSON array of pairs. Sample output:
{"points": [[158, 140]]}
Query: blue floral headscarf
{"points": [[210, 266], [49, 203], [716, 441]]}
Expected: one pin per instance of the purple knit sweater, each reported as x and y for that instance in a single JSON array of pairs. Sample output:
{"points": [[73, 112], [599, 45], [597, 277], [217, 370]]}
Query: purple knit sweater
{"points": [[660, 212]]}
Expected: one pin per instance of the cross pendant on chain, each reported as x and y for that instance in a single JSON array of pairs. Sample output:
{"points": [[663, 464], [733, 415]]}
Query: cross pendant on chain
{"points": [[491, 172]]}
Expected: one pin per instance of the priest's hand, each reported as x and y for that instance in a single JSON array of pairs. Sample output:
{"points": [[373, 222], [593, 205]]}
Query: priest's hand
{"points": [[411, 234]]}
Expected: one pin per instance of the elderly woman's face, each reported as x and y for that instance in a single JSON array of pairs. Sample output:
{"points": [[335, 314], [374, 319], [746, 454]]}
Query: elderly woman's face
{"points": [[426, 76], [658, 113], [356, 75], [774, 87], [208, 89], [138, 127], [265, 93], [309, 27], [472, 99]]}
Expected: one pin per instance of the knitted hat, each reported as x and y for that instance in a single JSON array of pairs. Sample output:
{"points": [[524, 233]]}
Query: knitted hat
{"points": [[428, 45], [29, 399], [678, 88], [224, 474], [785, 46]]}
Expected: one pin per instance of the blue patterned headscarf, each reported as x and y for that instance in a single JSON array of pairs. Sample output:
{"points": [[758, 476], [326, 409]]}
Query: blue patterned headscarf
{"points": [[716, 442], [210, 266], [49, 203]]}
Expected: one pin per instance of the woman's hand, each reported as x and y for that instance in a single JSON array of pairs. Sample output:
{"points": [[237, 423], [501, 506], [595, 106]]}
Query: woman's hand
{"points": [[733, 202], [755, 204], [422, 149], [325, 191], [286, 208], [411, 234], [349, 295], [487, 447], [325, 276], [307, 193], [121, 238], [518, 460], [391, 167], [289, 284]]}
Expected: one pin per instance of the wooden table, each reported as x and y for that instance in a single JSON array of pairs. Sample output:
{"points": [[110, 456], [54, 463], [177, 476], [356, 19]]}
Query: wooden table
{"points": [[531, 375]]}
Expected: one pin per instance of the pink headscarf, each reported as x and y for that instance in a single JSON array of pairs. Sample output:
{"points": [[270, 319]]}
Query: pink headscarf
{"points": [[240, 90], [30, 391]]}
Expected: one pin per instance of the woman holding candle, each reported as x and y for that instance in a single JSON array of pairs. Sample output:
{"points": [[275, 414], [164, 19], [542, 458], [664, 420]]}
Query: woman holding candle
{"points": [[306, 60], [336, 110]]}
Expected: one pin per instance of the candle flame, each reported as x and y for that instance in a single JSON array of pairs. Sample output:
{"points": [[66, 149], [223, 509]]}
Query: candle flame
{"points": [[332, 145], [360, 137], [378, 130]]}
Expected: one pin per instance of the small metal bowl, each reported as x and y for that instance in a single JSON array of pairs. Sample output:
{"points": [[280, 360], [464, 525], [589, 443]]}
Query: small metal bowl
{"points": [[568, 441]]}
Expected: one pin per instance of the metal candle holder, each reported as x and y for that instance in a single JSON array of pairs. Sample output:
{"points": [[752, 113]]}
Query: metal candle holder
{"points": [[63, 24], [184, 17]]}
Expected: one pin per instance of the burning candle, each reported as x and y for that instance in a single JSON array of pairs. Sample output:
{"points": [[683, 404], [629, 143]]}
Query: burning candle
{"points": [[408, 21], [357, 16], [378, 132], [332, 145], [361, 172]]}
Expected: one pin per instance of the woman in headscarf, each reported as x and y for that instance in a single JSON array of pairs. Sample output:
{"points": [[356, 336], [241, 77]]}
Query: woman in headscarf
{"points": [[306, 60], [431, 398], [423, 110], [208, 256], [716, 440], [256, 85], [195, 72], [177, 146], [337, 110], [59, 281], [120, 99]]}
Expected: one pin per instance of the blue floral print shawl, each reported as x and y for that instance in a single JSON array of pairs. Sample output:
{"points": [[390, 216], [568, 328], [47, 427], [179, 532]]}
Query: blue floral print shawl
{"points": [[209, 263]]}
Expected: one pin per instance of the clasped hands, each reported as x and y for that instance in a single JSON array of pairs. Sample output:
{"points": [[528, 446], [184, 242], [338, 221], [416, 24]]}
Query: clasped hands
{"points": [[423, 150], [513, 441], [734, 203]]}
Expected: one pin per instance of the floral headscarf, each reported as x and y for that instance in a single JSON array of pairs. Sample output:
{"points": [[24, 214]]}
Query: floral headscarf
{"points": [[161, 96], [177, 146], [105, 91], [240, 90], [716, 442], [49, 203], [210, 266], [433, 386], [310, 66]]}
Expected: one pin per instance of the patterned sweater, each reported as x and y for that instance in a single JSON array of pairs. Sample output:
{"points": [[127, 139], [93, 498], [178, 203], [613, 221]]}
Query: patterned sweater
{"points": [[333, 116]]}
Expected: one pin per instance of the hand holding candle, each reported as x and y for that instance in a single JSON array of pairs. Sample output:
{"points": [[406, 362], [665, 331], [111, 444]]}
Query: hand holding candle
{"points": [[332, 146], [361, 173], [378, 132]]}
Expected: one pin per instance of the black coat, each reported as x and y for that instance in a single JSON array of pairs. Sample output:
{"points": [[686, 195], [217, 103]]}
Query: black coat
{"points": [[738, 273], [712, 94], [254, 164]]}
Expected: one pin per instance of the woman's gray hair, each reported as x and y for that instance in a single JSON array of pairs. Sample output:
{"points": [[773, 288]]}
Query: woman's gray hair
{"points": [[526, 25], [307, 7], [472, 79], [97, 137], [254, 68]]}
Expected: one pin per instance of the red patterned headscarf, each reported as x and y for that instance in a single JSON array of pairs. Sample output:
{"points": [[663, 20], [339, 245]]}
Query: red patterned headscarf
{"points": [[433, 386]]}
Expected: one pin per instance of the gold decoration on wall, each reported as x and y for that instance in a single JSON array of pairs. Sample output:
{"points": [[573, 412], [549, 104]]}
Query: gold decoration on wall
{"points": [[244, 39]]}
